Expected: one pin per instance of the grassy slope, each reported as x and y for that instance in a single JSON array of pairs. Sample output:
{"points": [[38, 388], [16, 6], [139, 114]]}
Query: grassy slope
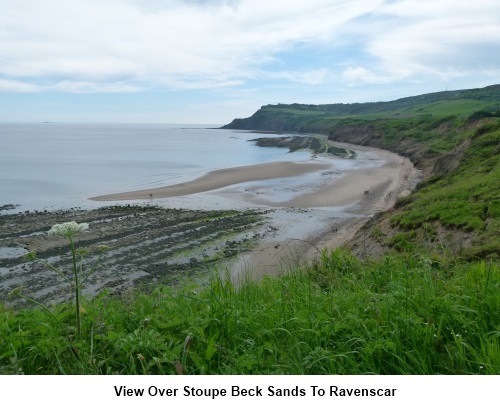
{"points": [[465, 200], [398, 315], [415, 310]]}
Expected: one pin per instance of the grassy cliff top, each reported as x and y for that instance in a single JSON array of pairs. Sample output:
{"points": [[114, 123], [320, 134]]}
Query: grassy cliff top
{"points": [[459, 102]]}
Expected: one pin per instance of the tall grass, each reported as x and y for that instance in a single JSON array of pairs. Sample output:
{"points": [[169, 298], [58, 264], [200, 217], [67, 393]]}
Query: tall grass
{"points": [[401, 314]]}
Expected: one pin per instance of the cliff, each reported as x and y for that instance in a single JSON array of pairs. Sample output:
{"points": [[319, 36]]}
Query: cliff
{"points": [[453, 136], [423, 128]]}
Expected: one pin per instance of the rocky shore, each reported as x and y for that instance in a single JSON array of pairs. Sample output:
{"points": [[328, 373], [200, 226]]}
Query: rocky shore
{"points": [[148, 245], [315, 143]]}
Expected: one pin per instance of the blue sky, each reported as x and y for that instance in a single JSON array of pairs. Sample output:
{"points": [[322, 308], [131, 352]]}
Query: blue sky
{"points": [[209, 61]]}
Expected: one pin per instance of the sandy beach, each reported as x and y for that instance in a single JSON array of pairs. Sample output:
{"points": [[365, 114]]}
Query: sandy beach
{"points": [[334, 213], [316, 216], [220, 178]]}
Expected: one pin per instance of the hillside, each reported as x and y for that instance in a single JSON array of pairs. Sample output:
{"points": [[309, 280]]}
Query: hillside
{"points": [[322, 118], [453, 136]]}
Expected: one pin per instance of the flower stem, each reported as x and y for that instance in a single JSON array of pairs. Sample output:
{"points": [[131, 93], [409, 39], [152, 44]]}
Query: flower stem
{"points": [[77, 287]]}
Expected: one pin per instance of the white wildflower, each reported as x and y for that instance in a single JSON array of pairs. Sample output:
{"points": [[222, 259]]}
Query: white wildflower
{"points": [[68, 228]]}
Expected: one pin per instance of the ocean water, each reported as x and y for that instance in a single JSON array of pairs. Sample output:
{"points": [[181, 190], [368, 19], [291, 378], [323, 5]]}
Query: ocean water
{"points": [[59, 166]]}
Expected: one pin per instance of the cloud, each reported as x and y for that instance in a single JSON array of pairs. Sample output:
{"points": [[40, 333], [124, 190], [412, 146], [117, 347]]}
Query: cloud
{"points": [[428, 37], [139, 45], [68, 86], [16, 86], [356, 75], [154, 43], [312, 76]]}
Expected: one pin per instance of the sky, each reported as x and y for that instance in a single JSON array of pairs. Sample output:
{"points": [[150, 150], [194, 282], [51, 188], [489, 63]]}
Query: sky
{"points": [[209, 61]]}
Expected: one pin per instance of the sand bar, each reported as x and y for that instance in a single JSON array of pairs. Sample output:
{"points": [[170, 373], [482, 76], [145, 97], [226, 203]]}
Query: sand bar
{"points": [[221, 178]]}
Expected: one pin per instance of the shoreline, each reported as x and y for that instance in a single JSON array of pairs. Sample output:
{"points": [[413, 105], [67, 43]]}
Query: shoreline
{"points": [[396, 178], [221, 178], [149, 244]]}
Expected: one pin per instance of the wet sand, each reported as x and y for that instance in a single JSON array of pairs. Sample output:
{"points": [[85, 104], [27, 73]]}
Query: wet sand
{"points": [[219, 179], [314, 218], [340, 209]]}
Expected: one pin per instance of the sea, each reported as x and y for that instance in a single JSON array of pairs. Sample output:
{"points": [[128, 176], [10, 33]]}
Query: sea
{"points": [[52, 166]]}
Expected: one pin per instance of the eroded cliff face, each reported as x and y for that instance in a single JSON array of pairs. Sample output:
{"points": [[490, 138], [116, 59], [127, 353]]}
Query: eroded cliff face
{"points": [[449, 162], [364, 134], [370, 135]]}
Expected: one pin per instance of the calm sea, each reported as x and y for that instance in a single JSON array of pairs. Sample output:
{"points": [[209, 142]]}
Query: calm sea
{"points": [[55, 166]]}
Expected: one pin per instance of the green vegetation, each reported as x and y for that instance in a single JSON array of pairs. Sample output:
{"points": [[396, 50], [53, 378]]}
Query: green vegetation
{"points": [[454, 137], [428, 304], [79, 276], [402, 314], [465, 200], [321, 118]]}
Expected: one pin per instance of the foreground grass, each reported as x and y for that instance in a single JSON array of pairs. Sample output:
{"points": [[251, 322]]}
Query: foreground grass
{"points": [[401, 314]]}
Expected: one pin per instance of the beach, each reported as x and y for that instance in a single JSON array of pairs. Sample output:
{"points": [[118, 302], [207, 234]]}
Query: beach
{"points": [[305, 222], [249, 221], [218, 179], [330, 216]]}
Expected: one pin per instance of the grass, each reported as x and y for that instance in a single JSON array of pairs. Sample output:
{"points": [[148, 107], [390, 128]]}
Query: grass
{"points": [[402, 314], [467, 199], [422, 309], [453, 107]]}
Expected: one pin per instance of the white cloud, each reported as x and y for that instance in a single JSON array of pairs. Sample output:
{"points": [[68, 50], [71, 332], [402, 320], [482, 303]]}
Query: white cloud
{"points": [[16, 86], [133, 45], [359, 75], [153, 42], [311, 76], [68, 86], [438, 37]]}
